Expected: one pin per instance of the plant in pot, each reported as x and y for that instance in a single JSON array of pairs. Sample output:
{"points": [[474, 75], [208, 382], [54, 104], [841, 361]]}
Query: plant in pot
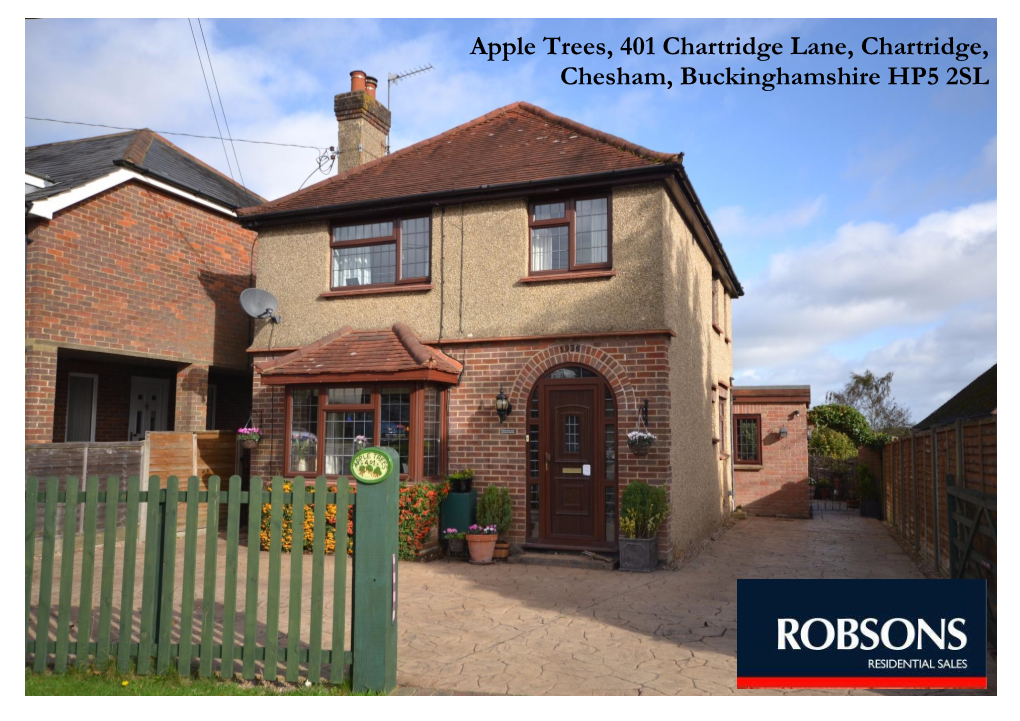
{"points": [[496, 509], [455, 542], [249, 436], [643, 510], [867, 490], [823, 489], [458, 509], [481, 542]]}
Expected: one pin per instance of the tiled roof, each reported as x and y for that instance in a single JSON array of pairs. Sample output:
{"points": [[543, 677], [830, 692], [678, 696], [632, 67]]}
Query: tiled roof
{"points": [[362, 352], [516, 143], [979, 398], [72, 163]]}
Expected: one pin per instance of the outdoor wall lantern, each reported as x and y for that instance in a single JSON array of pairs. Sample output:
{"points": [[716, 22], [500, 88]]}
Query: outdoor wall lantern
{"points": [[503, 406], [782, 432]]}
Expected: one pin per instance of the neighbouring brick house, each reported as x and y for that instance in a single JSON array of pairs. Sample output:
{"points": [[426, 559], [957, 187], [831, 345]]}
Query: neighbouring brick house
{"points": [[523, 253], [770, 459], [134, 263]]}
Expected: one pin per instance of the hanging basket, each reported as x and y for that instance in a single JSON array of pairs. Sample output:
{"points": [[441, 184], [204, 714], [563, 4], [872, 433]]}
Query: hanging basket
{"points": [[249, 443]]}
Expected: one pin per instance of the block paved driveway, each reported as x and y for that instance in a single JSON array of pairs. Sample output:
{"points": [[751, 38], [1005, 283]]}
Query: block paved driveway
{"points": [[541, 630], [518, 629]]}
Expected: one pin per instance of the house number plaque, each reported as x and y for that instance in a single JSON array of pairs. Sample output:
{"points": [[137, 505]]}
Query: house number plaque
{"points": [[370, 465]]}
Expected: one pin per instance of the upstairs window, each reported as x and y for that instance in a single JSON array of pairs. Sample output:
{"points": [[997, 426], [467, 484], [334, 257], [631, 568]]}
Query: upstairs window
{"points": [[381, 253], [570, 235]]}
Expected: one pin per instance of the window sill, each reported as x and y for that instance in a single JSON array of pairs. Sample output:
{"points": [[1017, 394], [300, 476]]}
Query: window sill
{"points": [[724, 456], [747, 467], [578, 275], [367, 290], [728, 340], [717, 329], [714, 440]]}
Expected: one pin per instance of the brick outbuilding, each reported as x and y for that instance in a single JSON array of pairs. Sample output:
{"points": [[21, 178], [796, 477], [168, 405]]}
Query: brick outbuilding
{"points": [[770, 450]]}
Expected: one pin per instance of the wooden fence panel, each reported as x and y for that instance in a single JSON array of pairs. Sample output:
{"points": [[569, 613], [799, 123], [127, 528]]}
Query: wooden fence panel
{"points": [[914, 483], [145, 636]]}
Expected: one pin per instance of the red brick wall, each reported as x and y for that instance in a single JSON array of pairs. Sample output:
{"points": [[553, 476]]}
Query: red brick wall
{"points": [[137, 270], [779, 487], [635, 367]]}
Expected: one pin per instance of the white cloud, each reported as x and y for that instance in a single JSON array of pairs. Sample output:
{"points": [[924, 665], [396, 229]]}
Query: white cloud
{"points": [[871, 279], [734, 221], [278, 85]]}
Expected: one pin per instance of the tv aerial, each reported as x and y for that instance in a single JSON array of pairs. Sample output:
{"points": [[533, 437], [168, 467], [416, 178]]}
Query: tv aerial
{"points": [[259, 303], [394, 78]]}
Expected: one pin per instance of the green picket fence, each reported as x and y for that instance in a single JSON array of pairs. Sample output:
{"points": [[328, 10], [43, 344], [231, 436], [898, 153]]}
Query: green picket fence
{"points": [[153, 650]]}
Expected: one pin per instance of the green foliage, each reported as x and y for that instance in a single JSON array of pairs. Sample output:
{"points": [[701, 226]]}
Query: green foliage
{"points": [[643, 510], [831, 443], [460, 481], [496, 509], [867, 488], [844, 419]]}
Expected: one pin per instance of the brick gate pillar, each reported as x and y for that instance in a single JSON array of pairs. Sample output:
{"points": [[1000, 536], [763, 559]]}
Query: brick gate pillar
{"points": [[40, 392], [192, 398]]}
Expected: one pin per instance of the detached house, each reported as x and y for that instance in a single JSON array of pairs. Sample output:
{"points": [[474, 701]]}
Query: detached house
{"points": [[521, 254], [134, 263]]}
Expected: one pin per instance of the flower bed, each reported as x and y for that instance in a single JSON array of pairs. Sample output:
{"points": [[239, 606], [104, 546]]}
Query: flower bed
{"points": [[419, 512]]}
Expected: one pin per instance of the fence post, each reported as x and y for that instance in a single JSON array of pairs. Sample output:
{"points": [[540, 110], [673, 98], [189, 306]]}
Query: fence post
{"points": [[951, 512], [917, 497], [374, 612]]}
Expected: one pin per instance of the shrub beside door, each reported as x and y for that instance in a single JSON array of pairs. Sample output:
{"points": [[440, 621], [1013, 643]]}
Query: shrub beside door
{"points": [[643, 510]]}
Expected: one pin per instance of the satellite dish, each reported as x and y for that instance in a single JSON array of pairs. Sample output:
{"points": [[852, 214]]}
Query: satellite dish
{"points": [[259, 303]]}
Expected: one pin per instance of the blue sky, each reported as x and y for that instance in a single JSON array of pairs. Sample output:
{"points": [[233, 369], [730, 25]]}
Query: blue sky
{"points": [[861, 220]]}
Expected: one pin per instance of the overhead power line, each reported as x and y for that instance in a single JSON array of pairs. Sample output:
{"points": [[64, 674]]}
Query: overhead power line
{"points": [[216, 118], [171, 132], [219, 97]]}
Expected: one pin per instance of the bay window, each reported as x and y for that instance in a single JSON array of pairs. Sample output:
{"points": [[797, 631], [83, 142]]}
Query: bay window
{"points": [[325, 423], [381, 254]]}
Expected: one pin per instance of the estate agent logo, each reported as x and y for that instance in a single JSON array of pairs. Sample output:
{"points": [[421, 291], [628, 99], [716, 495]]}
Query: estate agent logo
{"points": [[861, 634], [370, 465]]}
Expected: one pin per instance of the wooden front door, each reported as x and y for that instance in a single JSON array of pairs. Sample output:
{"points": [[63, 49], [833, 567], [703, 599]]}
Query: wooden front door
{"points": [[571, 464]]}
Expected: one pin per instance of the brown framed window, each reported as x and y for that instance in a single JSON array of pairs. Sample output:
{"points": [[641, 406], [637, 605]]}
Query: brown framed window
{"points": [[571, 234], [722, 421], [747, 438], [325, 423], [382, 253]]}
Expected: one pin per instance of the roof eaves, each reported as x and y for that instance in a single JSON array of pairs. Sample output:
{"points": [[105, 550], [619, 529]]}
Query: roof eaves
{"points": [[275, 363]]}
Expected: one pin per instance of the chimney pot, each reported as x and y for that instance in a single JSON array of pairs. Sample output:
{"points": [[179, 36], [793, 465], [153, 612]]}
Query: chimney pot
{"points": [[357, 81], [370, 85]]}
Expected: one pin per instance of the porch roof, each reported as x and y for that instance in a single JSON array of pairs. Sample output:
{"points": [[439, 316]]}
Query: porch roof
{"points": [[347, 355]]}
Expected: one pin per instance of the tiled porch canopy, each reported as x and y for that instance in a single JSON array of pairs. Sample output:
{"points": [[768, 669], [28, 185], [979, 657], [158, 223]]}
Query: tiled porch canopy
{"points": [[362, 356]]}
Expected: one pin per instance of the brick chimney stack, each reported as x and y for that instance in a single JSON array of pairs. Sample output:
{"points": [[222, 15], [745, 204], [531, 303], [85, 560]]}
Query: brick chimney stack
{"points": [[363, 123]]}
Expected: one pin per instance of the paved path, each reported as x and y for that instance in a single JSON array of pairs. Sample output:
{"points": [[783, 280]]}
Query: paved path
{"points": [[520, 629], [539, 630]]}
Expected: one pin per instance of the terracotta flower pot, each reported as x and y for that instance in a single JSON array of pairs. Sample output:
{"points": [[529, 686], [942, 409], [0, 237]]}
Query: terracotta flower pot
{"points": [[502, 551], [481, 546]]}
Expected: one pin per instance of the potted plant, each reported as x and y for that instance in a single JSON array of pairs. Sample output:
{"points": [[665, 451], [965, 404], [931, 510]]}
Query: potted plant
{"points": [[496, 509], [481, 542], [249, 437], [867, 489], [823, 489], [643, 510], [302, 447], [454, 542], [459, 507], [640, 441]]}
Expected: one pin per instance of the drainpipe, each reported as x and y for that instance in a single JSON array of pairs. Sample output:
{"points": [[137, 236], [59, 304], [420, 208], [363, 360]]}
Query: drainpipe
{"points": [[733, 437]]}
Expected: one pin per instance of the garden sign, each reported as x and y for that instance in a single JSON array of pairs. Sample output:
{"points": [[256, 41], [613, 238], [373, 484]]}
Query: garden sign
{"points": [[370, 465]]}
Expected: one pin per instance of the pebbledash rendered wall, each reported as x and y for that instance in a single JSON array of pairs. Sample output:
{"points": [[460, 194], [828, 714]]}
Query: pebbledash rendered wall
{"points": [[662, 288], [778, 486]]}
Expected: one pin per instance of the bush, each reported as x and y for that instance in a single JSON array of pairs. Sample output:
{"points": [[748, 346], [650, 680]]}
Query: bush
{"points": [[496, 509], [830, 443], [643, 510], [844, 419], [419, 511], [867, 488], [460, 482]]}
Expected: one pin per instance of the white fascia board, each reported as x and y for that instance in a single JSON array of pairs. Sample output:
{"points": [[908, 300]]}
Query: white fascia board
{"points": [[47, 207]]}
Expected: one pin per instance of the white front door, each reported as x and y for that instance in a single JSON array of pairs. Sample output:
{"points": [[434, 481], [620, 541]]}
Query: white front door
{"points": [[148, 406]]}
